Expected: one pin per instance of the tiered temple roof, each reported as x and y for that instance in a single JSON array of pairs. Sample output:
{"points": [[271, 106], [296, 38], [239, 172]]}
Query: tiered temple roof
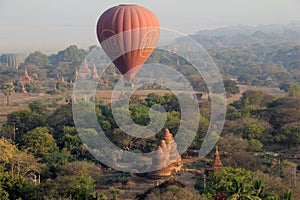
{"points": [[217, 161], [217, 164], [168, 157]]}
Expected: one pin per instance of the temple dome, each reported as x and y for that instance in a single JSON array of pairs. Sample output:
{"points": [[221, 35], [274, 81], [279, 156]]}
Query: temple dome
{"points": [[11, 60]]}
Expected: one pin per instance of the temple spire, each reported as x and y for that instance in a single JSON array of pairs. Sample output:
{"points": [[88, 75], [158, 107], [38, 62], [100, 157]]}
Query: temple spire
{"points": [[95, 73], [25, 79], [217, 161]]}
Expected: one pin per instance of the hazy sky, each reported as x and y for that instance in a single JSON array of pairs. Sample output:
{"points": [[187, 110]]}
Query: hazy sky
{"points": [[52, 25]]}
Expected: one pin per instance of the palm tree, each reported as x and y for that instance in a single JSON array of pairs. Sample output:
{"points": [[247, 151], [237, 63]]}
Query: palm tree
{"points": [[258, 187], [8, 90], [241, 191], [288, 195]]}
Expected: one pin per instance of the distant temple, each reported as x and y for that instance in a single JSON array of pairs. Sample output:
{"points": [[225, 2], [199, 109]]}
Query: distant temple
{"points": [[217, 164], [173, 49], [60, 79], [95, 73], [25, 79], [84, 72]]}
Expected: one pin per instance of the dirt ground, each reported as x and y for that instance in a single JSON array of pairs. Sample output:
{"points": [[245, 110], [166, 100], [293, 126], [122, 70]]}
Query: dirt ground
{"points": [[138, 185], [19, 101]]}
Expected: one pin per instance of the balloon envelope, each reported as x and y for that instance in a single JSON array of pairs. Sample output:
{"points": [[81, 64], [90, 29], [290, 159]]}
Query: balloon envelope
{"points": [[128, 34]]}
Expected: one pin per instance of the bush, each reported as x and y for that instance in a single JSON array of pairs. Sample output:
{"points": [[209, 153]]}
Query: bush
{"points": [[255, 145]]}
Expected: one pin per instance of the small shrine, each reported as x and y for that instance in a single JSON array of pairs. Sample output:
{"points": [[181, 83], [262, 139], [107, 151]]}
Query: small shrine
{"points": [[217, 164]]}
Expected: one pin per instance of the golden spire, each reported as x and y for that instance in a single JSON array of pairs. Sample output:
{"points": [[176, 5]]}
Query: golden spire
{"points": [[217, 161], [76, 73], [168, 136], [95, 73], [85, 72]]}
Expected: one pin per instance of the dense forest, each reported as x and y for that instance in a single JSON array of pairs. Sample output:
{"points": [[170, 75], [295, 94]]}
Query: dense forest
{"points": [[43, 157], [262, 55], [43, 148]]}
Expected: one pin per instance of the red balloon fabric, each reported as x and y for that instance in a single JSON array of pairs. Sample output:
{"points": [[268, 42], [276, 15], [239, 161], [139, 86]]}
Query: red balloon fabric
{"points": [[128, 34]]}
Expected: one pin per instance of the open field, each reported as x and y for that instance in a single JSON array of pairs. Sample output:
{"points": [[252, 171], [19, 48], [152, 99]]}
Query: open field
{"points": [[20, 100]]}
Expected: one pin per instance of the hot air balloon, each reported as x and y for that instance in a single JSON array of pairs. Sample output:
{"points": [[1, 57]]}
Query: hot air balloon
{"points": [[128, 34]]}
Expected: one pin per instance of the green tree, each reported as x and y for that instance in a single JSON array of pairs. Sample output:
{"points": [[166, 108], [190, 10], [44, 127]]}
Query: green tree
{"points": [[60, 118], [37, 58], [242, 191], [248, 128], [115, 193], [53, 162], [82, 187], [289, 135], [76, 187], [140, 114], [3, 194], [173, 121], [294, 90], [15, 186], [288, 195], [39, 141], [253, 131], [16, 161], [228, 181], [174, 192], [171, 189], [80, 168], [242, 184], [271, 187], [255, 145], [236, 149], [70, 54], [283, 111], [254, 99], [202, 129], [98, 196], [245, 78], [39, 108], [70, 141], [24, 120], [8, 90], [8, 150], [230, 87]]}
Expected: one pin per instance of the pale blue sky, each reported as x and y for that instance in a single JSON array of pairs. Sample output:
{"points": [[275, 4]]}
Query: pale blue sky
{"points": [[51, 25]]}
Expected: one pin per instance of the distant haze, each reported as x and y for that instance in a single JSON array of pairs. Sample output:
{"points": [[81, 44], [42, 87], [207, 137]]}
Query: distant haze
{"points": [[50, 26]]}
